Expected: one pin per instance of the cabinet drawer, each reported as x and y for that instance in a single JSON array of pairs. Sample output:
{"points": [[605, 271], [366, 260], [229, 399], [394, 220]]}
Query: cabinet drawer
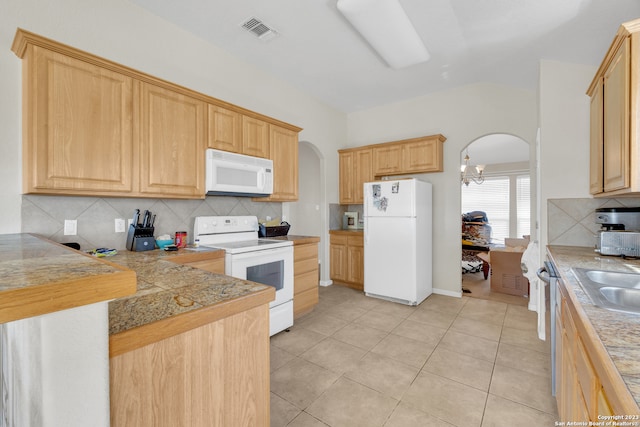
{"points": [[337, 239], [305, 251], [305, 281], [305, 265], [304, 302], [355, 241]]}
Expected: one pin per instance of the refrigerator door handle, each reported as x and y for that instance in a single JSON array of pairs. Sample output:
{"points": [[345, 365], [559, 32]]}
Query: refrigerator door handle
{"points": [[366, 233]]}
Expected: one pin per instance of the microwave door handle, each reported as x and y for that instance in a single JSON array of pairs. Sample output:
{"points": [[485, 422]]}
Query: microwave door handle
{"points": [[261, 179]]}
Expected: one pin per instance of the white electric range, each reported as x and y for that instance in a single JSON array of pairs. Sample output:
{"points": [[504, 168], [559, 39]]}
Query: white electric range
{"points": [[247, 257]]}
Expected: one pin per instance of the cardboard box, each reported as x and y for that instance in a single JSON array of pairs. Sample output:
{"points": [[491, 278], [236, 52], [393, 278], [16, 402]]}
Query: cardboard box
{"points": [[506, 272]]}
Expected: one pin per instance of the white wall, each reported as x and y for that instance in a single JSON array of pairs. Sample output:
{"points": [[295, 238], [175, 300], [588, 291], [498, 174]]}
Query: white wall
{"points": [[564, 135], [461, 115], [123, 32]]}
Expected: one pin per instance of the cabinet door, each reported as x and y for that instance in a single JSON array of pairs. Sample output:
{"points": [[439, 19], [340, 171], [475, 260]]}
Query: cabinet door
{"points": [[422, 156], [338, 258], [362, 172], [596, 146], [387, 160], [355, 260], [78, 137], [255, 137], [616, 121], [171, 143], [347, 184], [283, 150], [224, 129]]}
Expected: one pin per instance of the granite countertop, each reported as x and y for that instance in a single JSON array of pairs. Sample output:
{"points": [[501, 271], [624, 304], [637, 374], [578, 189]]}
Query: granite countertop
{"points": [[619, 332], [166, 289], [39, 276]]}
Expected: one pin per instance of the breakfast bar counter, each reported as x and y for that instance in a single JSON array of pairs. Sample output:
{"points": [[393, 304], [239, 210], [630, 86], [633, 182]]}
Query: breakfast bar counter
{"points": [[40, 277]]}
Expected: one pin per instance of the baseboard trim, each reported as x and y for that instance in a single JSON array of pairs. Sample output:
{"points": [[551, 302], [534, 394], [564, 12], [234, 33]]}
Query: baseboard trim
{"points": [[326, 282], [455, 294]]}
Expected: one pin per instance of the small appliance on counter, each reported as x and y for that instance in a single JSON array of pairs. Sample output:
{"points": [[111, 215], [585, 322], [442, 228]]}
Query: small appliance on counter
{"points": [[619, 234], [268, 230], [140, 235], [350, 221]]}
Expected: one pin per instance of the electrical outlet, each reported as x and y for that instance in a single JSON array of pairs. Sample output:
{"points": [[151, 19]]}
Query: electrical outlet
{"points": [[119, 225], [70, 227]]}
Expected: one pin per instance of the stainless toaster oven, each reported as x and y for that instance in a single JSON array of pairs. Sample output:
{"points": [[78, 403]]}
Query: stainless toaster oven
{"points": [[619, 243]]}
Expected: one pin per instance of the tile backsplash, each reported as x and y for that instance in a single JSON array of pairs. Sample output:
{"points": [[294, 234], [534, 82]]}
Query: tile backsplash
{"points": [[336, 212], [571, 222], [45, 215]]}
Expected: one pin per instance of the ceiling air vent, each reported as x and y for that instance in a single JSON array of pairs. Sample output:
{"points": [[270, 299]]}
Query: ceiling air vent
{"points": [[259, 29]]}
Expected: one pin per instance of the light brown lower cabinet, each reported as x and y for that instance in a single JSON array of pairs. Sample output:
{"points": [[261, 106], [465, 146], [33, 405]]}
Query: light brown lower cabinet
{"points": [[305, 280], [346, 257], [587, 384], [213, 375]]}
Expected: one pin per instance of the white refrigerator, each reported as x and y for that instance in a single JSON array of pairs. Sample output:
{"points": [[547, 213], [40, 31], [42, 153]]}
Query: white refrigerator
{"points": [[398, 240]]}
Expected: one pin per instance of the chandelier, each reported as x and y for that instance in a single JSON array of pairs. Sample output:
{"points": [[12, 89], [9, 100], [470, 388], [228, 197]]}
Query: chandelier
{"points": [[471, 173]]}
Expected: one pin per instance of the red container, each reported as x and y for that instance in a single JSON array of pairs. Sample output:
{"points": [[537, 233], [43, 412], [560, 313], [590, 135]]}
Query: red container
{"points": [[181, 239]]}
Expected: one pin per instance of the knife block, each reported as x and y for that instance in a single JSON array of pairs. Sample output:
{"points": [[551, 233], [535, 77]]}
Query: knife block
{"points": [[140, 239]]}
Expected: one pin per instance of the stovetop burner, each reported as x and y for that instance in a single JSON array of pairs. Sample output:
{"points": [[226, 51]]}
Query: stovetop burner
{"points": [[235, 234]]}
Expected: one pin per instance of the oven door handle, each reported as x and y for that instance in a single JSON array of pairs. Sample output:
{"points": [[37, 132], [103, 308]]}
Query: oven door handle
{"points": [[542, 276]]}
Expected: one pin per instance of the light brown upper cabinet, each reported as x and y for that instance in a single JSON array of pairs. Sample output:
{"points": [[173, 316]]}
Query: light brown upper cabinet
{"points": [[77, 132], [416, 155], [369, 162], [283, 151], [423, 155], [615, 106], [387, 159], [255, 137], [355, 170], [95, 127], [224, 129], [172, 140]]}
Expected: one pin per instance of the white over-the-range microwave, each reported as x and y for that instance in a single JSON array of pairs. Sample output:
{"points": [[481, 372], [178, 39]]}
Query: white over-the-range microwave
{"points": [[231, 174]]}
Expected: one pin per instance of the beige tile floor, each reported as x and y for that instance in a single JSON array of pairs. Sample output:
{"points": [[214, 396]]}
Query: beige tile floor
{"points": [[360, 361]]}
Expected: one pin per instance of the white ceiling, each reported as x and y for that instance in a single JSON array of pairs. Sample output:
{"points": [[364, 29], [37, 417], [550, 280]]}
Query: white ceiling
{"points": [[470, 41]]}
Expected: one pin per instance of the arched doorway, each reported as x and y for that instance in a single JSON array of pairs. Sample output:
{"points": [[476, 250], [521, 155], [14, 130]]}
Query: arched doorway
{"points": [[495, 206], [309, 215]]}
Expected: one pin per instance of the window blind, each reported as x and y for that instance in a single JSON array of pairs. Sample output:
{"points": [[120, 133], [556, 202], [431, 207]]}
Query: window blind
{"points": [[523, 202], [492, 197]]}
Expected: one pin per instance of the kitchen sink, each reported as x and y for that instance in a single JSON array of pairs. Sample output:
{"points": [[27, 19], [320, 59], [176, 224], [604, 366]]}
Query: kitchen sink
{"points": [[611, 289]]}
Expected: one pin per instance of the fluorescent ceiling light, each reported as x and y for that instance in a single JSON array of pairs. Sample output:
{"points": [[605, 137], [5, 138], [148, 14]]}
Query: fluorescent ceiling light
{"points": [[387, 28]]}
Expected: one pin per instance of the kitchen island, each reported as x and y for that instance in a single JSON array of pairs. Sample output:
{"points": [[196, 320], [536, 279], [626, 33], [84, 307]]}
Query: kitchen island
{"points": [[54, 327], [601, 347], [191, 347], [177, 344]]}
